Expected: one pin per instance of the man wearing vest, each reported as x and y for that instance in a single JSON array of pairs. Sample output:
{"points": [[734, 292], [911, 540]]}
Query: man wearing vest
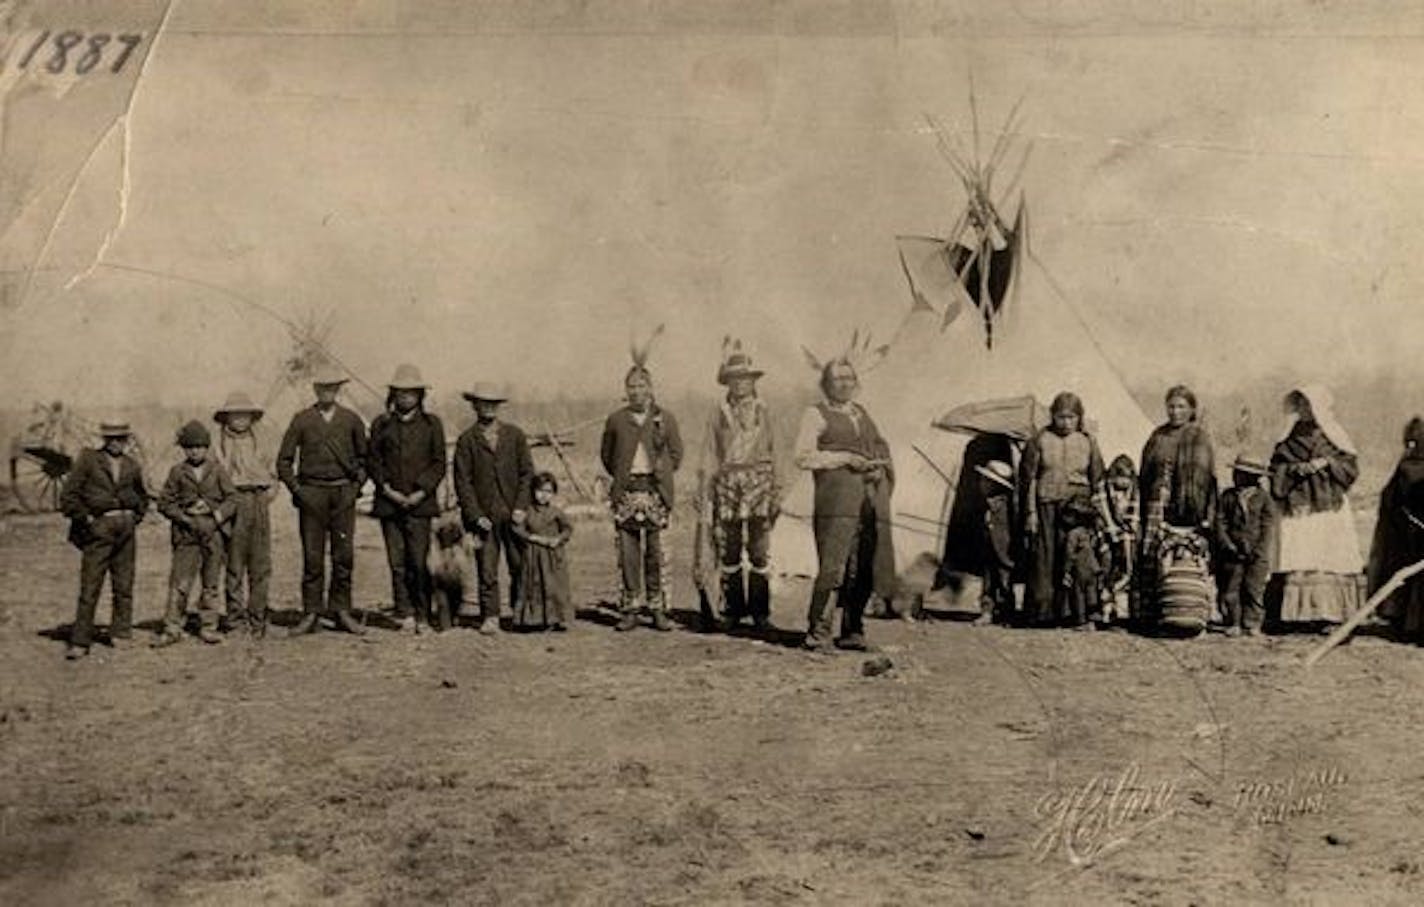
{"points": [[104, 498], [737, 485], [322, 462], [839, 443]]}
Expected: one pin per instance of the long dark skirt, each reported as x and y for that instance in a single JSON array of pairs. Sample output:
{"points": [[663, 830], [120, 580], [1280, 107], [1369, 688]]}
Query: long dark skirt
{"points": [[1054, 594]]}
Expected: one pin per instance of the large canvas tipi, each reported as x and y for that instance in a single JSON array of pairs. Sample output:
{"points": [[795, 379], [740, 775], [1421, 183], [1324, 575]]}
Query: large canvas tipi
{"points": [[1041, 347], [1005, 330]]}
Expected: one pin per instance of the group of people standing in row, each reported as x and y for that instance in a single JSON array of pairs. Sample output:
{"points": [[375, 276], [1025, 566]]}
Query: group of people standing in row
{"points": [[1088, 542], [217, 501], [1279, 546]]}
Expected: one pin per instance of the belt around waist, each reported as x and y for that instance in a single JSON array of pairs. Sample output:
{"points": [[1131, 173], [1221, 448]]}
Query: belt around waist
{"points": [[323, 483], [744, 467], [253, 487]]}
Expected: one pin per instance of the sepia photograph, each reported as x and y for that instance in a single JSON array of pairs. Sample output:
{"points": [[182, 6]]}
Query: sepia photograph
{"points": [[711, 452]]}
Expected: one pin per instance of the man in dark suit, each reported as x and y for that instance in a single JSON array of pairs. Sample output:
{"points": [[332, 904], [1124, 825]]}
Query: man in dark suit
{"points": [[642, 449], [493, 476], [104, 498], [322, 462]]}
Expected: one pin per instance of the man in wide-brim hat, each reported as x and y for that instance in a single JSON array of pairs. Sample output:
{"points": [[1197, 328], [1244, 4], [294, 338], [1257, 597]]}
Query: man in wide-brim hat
{"points": [[407, 465], [104, 498], [322, 462], [493, 474], [738, 491], [249, 458], [1246, 524]]}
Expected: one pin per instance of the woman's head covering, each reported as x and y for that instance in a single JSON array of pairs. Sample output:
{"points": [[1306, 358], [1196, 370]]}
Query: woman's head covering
{"points": [[1322, 407], [1185, 393]]}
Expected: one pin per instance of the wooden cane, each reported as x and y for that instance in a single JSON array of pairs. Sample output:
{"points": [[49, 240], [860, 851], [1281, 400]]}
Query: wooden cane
{"points": [[1400, 577]]}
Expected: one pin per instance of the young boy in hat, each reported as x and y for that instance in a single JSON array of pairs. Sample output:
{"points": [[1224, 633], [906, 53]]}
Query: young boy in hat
{"points": [[494, 475], [198, 499], [322, 462], [1245, 533], [249, 463], [737, 481], [407, 465], [996, 484], [105, 499]]}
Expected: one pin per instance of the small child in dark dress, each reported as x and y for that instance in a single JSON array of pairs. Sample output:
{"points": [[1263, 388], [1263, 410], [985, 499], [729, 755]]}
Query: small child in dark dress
{"points": [[545, 601]]}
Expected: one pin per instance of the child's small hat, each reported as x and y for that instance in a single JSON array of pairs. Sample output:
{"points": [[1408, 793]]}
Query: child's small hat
{"points": [[237, 402], [194, 434], [1249, 465], [997, 471]]}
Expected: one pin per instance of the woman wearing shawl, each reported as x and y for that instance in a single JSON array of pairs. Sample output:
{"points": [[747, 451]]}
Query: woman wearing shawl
{"points": [[1399, 536], [1177, 485], [1313, 466], [1062, 479]]}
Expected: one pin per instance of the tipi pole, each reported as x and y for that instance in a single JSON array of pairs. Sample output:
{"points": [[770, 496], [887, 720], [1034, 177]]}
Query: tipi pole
{"points": [[568, 468], [1400, 577], [933, 465]]}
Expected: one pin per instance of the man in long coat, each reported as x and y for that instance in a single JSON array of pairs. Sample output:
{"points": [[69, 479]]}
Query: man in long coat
{"points": [[494, 474]]}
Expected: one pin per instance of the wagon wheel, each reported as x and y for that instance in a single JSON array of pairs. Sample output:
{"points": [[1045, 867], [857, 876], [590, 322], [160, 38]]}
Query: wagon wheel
{"points": [[36, 475]]}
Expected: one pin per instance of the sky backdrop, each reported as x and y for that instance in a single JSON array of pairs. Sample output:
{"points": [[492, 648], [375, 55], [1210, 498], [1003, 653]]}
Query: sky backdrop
{"points": [[513, 191]]}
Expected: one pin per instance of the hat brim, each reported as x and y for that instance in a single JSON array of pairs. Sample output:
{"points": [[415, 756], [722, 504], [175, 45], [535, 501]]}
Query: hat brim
{"points": [[997, 479], [481, 398], [728, 376], [116, 434], [222, 415], [1251, 469], [409, 387]]}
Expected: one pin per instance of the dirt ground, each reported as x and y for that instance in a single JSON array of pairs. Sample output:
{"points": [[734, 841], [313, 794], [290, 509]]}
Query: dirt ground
{"points": [[680, 768]]}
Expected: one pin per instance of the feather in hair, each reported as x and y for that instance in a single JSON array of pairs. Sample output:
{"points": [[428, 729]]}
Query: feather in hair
{"points": [[812, 360], [641, 353]]}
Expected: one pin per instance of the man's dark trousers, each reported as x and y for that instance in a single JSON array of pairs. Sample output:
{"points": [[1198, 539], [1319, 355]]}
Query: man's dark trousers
{"points": [[407, 548], [500, 536], [109, 552], [326, 514]]}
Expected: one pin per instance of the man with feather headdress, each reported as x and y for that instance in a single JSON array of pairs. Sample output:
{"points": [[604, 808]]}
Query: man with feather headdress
{"points": [[854, 477], [738, 492], [641, 451]]}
